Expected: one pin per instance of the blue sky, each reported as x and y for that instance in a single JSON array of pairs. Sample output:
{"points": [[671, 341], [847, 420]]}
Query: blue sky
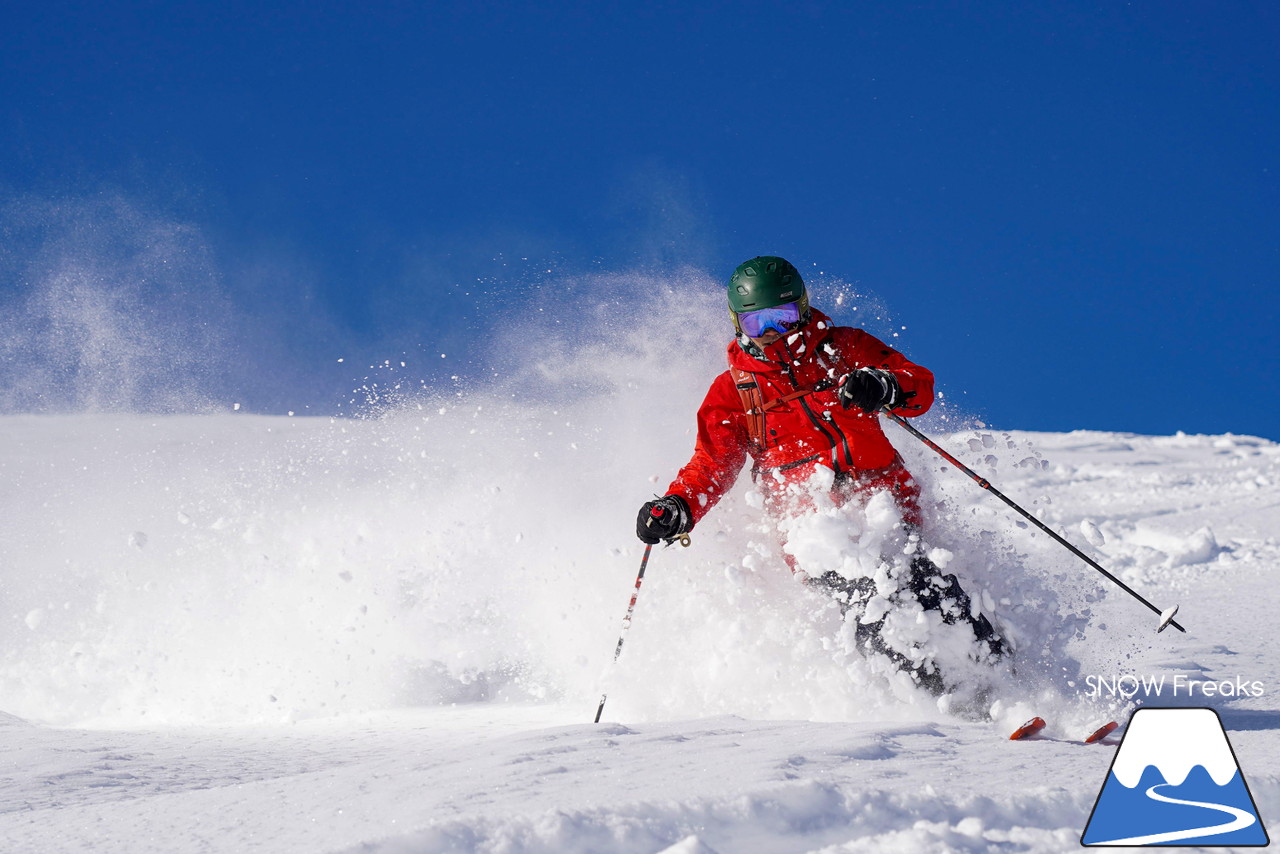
{"points": [[1072, 207]]}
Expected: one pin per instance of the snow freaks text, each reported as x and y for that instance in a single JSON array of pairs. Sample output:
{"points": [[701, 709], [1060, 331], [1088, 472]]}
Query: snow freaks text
{"points": [[1129, 685]]}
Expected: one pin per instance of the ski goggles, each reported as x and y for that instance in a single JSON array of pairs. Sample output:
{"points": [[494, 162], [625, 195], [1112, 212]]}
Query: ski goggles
{"points": [[780, 318]]}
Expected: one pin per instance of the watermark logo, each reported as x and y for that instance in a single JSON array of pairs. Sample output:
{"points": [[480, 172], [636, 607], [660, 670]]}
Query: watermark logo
{"points": [[1129, 685], [1175, 781]]}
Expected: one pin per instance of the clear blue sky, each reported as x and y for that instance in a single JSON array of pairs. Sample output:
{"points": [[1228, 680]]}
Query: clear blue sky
{"points": [[1072, 206]]}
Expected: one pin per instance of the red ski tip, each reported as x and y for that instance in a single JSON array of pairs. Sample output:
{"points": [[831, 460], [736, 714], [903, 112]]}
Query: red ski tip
{"points": [[1028, 729], [1102, 732]]}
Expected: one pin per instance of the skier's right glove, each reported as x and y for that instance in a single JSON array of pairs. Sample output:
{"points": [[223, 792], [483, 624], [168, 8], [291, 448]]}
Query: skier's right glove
{"points": [[869, 389], [663, 519]]}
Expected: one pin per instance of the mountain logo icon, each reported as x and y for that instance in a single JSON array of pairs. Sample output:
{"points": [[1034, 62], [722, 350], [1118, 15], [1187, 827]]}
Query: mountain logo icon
{"points": [[1175, 781]]}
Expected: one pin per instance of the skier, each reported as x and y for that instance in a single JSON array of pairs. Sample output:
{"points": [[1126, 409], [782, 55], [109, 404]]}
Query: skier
{"points": [[800, 398]]}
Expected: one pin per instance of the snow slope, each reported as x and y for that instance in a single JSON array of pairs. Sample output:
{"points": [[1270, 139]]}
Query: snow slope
{"points": [[230, 633]]}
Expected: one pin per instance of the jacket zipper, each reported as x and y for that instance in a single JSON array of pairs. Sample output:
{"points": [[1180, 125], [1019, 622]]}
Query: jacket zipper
{"points": [[844, 442], [817, 422], [821, 355]]}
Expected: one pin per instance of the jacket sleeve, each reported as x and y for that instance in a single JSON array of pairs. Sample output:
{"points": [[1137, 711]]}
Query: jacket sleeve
{"points": [[863, 350], [720, 451]]}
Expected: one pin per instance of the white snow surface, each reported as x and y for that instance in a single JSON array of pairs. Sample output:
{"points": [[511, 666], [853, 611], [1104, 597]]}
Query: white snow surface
{"points": [[243, 633]]}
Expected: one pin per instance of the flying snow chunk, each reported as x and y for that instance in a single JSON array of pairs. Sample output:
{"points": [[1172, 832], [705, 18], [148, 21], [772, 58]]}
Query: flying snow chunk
{"points": [[940, 557], [1092, 534]]}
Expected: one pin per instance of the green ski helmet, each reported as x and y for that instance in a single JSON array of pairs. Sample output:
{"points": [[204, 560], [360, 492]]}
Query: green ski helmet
{"points": [[764, 282]]}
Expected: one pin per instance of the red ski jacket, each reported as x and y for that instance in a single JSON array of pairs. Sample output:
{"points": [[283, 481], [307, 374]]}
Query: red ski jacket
{"points": [[801, 431]]}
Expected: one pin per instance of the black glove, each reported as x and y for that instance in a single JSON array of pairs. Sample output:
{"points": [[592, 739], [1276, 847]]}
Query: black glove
{"points": [[663, 519], [869, 389]]}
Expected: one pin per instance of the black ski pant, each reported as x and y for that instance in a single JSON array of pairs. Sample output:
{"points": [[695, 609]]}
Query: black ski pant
{"points": [[935, 591]]}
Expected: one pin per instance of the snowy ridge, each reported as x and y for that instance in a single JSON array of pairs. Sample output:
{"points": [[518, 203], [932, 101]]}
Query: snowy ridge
{"points": [[8, 720]]}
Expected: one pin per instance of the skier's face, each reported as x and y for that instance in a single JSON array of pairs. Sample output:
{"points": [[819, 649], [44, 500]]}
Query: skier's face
{"points": [[769, 336]]}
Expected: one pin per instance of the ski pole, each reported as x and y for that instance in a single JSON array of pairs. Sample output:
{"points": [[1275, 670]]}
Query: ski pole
{"points": [[1166, 617], [626, 623], [683, 539]]}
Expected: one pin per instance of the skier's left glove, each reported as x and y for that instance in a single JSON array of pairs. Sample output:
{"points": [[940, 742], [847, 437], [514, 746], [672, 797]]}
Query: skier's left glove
{"points": [[663, 519], [870, 389]]}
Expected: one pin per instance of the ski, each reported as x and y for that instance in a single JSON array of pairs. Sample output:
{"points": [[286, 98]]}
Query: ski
{"points": [[1037, 724], [1028, 729]]}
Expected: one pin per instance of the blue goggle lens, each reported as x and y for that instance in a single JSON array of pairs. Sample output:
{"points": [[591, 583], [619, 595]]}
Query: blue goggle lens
{"points": [[781, 318]]}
